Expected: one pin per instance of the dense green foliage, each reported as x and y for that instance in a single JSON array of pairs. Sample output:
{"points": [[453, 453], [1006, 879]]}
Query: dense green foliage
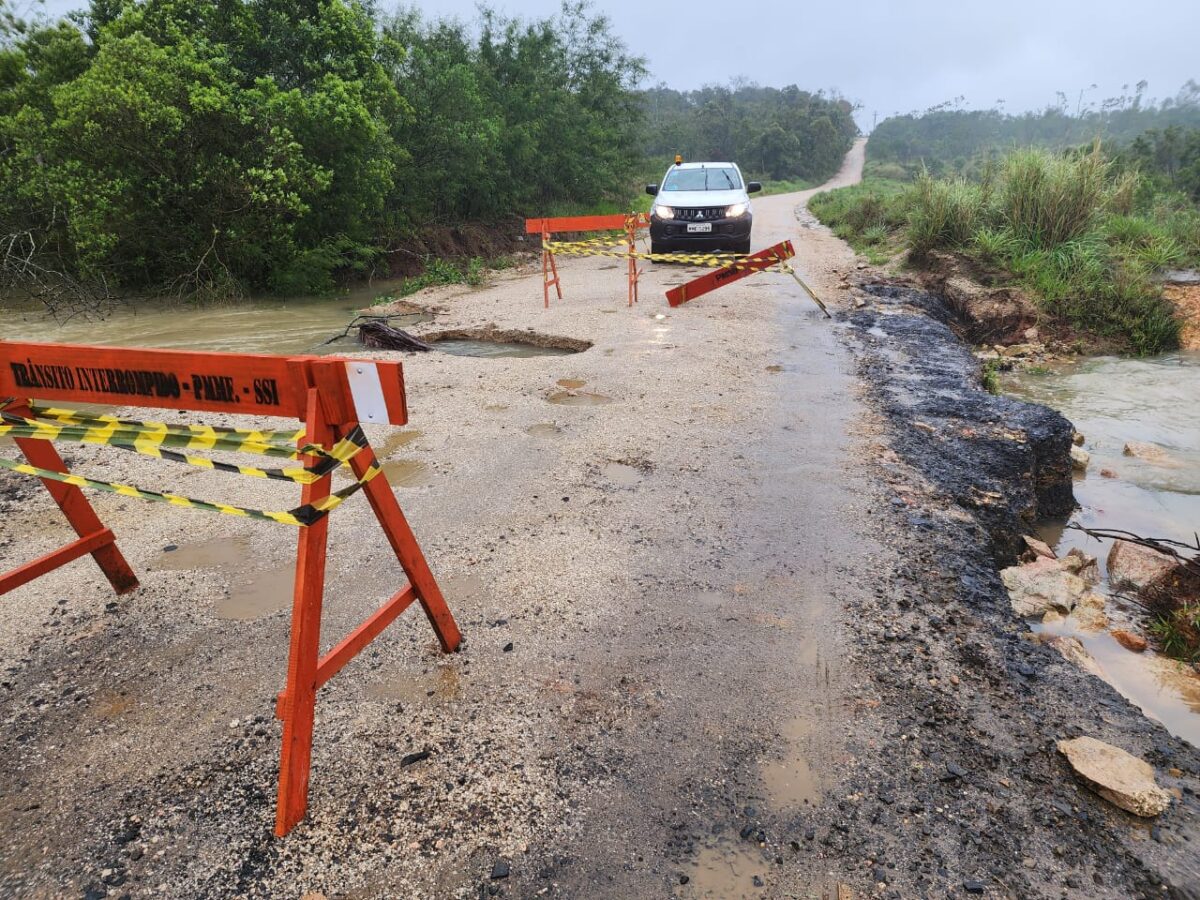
{"points": [[946, 139], [778, 134], [225, 144], [1078, 229]]}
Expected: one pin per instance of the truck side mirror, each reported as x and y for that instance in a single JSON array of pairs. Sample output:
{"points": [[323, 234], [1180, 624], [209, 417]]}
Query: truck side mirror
{"points": [[652, 190], [753, 187]]}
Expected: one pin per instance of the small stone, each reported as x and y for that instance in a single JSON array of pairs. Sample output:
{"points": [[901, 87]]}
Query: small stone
{"points": [[1052, 616], [1119, 777], [683, 879], [413, 758], [1077, 438], [758, 882], [1129, 640], [1108, 473], [1080, 459], [1038, 548], [973, 887], [508, 648], [501, 869], [1148, 452]]}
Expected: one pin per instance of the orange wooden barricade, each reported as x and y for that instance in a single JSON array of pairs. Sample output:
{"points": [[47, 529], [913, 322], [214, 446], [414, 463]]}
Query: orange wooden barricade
{"points": [[331, 396], [755, 262], [619, 222]]}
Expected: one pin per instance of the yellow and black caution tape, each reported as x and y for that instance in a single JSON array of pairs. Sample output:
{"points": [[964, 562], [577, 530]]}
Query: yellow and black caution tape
{"points": [[600, 248], [154, 439]]}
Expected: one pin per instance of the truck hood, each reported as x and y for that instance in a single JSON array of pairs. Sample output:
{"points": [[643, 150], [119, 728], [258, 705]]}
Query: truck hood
{"points": [[692, 199]]}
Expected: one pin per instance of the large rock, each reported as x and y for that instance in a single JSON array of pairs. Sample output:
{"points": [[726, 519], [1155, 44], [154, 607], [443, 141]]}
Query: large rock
{"points": [[1119, 777], [1134, 567], [1042, 585], [1079, 563]]}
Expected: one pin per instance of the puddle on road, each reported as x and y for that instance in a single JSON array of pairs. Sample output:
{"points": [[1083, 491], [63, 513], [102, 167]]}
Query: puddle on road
{"points": [[578, 398], [212, 554], [396, 440], [544, 430], [258, 595], [621, 474], [407, 473], [726, 871], [789, 782], [441, 685], [252, 592], [571, 384]]}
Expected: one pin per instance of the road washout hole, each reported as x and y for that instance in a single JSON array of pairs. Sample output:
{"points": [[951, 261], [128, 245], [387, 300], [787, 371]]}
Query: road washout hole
{"points": [[789, 781], [492, 343]]}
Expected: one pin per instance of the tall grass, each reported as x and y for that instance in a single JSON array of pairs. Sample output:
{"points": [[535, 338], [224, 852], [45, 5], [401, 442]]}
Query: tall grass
{"points": [[1048, 200], [1084, 239]]}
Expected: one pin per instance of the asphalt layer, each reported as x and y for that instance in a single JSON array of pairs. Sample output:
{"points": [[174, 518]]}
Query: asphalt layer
{"points": [[733, 628]]}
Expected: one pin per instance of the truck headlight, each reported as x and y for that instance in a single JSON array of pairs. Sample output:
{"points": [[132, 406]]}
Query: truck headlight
{"points": [[738, 209], [665, 212]]}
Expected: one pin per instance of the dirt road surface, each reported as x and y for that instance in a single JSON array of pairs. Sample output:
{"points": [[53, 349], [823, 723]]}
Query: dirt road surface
{"points": [[652, 548]]}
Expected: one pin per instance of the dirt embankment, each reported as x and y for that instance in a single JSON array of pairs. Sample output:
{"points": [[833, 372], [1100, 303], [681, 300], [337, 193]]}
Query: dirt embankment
{"points": [[971, 780]]}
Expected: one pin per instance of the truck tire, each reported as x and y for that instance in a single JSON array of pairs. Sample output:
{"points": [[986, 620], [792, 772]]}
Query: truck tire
{"points": [[656, 248]]}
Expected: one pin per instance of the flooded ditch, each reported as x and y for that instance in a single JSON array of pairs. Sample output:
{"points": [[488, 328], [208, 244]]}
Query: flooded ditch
{"points": [[491, 343], [1113, 401]]}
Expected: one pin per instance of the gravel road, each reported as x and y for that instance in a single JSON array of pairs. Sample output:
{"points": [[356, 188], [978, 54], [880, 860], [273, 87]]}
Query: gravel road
{"points": [[672, 557]]}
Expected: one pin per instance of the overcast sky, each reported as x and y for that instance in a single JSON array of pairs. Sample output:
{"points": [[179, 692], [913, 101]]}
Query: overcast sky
{"points": [[901, 56]]}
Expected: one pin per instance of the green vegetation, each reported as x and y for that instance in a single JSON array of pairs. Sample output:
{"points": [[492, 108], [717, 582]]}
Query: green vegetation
{"points": [[437, 272], [213, 146], [1083, 231], [868, 216], [778, 134]]}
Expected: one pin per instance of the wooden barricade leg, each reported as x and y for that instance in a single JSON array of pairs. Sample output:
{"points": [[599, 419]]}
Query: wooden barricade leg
{"points": [[94, 537], [549, 266], [634, 272], [408, 552], [300, 695]]}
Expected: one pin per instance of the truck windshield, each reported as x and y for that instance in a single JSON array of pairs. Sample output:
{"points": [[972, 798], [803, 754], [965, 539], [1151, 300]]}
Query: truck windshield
{"points": [[717, 178]]}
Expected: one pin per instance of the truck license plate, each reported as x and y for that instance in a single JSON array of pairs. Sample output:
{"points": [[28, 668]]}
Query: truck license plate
{"points": [[700, 228]]}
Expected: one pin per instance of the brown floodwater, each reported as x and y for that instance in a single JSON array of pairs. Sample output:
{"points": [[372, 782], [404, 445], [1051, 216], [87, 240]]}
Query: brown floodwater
{"points": [[498, 349], [283, 325], [1112, 401]]}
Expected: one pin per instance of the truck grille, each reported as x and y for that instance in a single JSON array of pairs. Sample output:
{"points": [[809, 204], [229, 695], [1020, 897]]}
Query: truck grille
{"points": [[699, 213]]}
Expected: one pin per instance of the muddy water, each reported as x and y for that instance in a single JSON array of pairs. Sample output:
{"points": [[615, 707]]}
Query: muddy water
{"points": [[1112, 401], [578, 398], [497, 349], [266, 325], [253, 591]]}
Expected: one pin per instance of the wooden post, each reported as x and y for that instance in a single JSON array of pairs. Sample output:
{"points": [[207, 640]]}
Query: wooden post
{"points": [[297, 709]]}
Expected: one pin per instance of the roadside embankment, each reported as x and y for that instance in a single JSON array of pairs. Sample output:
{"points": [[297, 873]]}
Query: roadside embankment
{"points": [[975, 780]]}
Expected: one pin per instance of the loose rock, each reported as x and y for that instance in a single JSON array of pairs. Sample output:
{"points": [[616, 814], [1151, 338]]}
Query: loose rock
{"points": [[1042, 585], [1119, 777], [1148, 452], [1129, 640], [1080, 459], [1134, 567]]}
